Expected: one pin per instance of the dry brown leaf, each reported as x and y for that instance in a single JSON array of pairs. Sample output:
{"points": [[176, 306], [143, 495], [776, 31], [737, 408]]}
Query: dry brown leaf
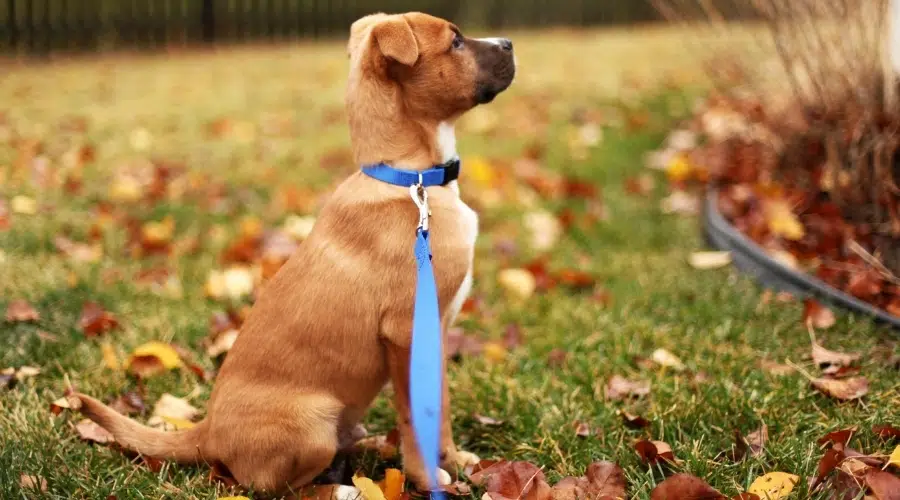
{"points": [[20, 311], [30, 482], [845, 389], [830, 362], [777, 369], [685, 487], [884, 485], [838, 437], [605, 481], [153, 358], [619, 387], [129, 403], [170, 411], [582, 429], [634, 421], [90, 431], [817, 316], [652, 451], [518, 481], [95, 320]]}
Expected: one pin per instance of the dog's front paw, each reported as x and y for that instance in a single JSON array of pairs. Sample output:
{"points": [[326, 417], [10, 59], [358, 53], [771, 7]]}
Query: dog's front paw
{"points": [[421, 482], [465, 459]]}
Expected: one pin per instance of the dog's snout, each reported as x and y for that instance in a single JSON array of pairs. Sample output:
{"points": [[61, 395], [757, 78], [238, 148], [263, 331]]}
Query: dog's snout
{"points": [[506, 44]]}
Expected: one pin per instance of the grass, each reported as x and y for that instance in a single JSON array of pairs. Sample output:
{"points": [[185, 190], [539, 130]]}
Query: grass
{"points": [[711, 319]]}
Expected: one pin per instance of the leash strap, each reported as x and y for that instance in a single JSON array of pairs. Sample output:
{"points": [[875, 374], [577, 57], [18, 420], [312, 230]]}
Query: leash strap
{"points": [[426, 360]]}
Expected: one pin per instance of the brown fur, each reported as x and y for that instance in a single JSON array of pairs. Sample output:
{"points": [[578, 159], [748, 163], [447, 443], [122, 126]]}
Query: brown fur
{"points": [[334, 324]]}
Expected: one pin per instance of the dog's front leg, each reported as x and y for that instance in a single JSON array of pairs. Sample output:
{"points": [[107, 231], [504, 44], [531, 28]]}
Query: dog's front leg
{"points": [[413, 467]]}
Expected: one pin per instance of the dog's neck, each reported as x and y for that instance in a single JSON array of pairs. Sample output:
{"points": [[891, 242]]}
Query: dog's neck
{"points": [[381, 131]]}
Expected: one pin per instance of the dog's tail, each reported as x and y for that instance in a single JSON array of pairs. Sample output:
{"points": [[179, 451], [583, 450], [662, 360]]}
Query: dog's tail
{"points": [[179, 446]]}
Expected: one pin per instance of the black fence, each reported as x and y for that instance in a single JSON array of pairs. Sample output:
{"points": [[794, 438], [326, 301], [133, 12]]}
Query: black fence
{"points": [[47, 26]]}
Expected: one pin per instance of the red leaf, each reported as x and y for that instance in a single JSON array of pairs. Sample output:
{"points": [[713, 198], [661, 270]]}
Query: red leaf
{"points": [[841, 437], [685, 487], [95, 321], [605, 481], [652, 451], [886, 432], [634, 421], [516, 480]]}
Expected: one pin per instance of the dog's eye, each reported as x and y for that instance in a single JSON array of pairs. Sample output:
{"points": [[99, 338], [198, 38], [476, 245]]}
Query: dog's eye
{"points": [[457, 42]]}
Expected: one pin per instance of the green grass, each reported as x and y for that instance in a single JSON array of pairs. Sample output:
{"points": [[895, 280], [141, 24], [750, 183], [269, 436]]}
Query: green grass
{"points": [[710, 319]]}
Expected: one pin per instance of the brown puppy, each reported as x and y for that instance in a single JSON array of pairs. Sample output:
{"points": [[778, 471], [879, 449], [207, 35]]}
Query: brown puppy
{"points": [[334, 324]]}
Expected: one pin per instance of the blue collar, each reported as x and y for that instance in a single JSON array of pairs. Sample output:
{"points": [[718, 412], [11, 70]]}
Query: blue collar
{"points": [[439, 175]]}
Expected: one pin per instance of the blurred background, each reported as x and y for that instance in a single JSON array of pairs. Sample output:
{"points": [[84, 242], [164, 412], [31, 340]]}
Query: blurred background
{"points": [[43, 26]]}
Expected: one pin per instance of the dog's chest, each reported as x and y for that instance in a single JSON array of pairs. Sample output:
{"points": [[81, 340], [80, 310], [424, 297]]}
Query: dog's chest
{"points": [[459, 274]]}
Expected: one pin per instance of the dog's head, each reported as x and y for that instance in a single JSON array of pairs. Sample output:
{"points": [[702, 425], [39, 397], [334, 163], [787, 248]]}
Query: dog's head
{"points": [[438, 73]]}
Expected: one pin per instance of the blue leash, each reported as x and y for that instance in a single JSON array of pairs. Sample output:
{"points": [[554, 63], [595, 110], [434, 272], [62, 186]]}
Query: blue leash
{"points": [[426, 359]]}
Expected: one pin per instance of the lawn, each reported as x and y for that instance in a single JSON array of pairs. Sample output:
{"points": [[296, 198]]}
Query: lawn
{"points": [[260, 134]]}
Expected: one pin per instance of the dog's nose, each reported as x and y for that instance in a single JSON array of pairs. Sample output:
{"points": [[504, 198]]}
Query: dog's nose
{"points": [[506, 45]]}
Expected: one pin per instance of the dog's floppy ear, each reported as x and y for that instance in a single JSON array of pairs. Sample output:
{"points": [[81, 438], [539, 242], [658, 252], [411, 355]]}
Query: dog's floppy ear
{"points": [[360, 28], [395, 40]]}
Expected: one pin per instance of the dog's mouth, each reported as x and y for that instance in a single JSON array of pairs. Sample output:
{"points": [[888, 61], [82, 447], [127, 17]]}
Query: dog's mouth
{"points": [[499, 80]]}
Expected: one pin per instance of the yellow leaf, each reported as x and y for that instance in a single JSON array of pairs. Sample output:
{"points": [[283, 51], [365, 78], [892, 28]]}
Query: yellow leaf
{"points": [[110, 360], [774, 485], [782, 221], [393, 484], [152, 358], [479, 170], [233, 498], [23, 205], [159, 232], [178, 423], [494, 351], [519, 282], [125, 189], [894, 459], [678, 168], [369, 489]]}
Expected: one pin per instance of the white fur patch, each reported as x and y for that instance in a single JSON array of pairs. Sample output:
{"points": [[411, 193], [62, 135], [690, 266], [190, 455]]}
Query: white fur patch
{"points": [[461, 295], [446, 138]]}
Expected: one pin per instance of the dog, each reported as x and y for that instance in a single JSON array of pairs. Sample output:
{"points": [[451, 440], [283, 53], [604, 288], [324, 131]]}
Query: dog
{"points": [[333, 325]]}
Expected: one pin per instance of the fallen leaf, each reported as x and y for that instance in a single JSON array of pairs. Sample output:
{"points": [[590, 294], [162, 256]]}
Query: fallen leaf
{"points": [[516, 480], [519, 282], [774, 485], [846, 389], [831, 361], [370, 491], [459, 343], [605, 481], [384, 445], [886, 432], [817, 315], [757, 440], [619, 387], [642, 185], [90, 431], [830, 459], [557, 357], [494, 352], [544, 229], [20, 311], [153, 358], [173, 410], [489, 421], [36, 483], [77, 251], [234, 283], [582, 429], [838, 438], [894, 459], [110, 360], [393, 484], [634, 421], [680, 202], [24, 205], [709, 260], [884, 485], [95, 320], [222, 343], [782, 221], [685, 487], [667, 359], [128, 403], [652, 451]]}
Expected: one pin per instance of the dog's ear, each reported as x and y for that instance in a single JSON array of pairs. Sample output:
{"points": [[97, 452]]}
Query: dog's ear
{"points": [[395, 40], [360, 28]]}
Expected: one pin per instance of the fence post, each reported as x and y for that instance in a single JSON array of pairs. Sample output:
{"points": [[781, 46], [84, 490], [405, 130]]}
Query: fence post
{"points": [[13, 24], [208, 20]]}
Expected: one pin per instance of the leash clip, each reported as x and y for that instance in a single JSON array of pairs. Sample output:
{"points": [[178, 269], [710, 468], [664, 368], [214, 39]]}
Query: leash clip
{"points": [[420, 198]]}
